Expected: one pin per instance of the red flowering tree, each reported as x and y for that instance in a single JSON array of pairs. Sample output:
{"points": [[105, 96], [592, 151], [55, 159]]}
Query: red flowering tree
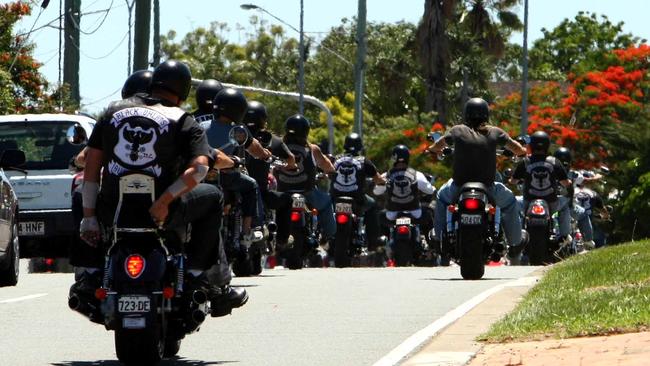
{"points": [[24, 89]]}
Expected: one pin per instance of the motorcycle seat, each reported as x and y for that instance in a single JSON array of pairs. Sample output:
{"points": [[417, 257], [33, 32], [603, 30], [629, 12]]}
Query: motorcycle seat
{"points": [[476, 186]]}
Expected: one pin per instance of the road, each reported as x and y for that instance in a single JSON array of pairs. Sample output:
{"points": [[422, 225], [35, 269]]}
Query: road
{"points": [[331, 316]]}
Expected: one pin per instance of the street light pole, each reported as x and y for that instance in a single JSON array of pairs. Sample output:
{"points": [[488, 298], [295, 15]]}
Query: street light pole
{"points": [[301, 63], [524, 81], [359, 68]]}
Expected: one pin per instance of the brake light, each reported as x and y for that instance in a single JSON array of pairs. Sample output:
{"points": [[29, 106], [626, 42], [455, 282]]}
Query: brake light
{"points": [[452, 208], [295, 216], [49, 262], [101, 293], [538, 210], [342, 219], [168, 292], [471, 203], [403, 230], [134, 265], [492, 210], [578, 235]]}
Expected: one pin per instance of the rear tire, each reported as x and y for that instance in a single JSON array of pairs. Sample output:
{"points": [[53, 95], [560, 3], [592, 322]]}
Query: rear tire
{"points": [[9, 275], [403, 253], [139, 347], [472, 264], [243, 265], [294, 251], [256, 261], [172, 346], [342, 246], [537, 248]]}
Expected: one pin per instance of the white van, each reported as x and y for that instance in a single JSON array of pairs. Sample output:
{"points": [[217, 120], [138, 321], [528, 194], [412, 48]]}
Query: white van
{"points": [[50, 141]]}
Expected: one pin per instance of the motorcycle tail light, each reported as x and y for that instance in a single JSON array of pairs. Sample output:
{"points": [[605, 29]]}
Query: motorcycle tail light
{"points": [[403, 230], [168, 292], [471, 204], [452, 208], [493, 210], [134, 265], [578, 235], [342, 219], [49, 262], [295, 216], [101, 293], [538, 210]]}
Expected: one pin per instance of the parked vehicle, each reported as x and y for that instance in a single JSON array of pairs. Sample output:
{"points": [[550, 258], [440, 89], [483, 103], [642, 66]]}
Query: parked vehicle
{"points": [[10, 160], [144, 296], [48, 141]]}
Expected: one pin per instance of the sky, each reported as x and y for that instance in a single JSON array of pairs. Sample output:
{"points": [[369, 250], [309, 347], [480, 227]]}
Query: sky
{"points": [[103, 65]]}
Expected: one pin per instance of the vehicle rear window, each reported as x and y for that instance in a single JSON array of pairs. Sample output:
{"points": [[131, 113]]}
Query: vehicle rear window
{"points": [[44, 143]]}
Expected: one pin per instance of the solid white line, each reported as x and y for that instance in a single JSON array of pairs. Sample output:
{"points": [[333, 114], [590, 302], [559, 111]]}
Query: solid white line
{"points": [[23, 298], [414, 341]]}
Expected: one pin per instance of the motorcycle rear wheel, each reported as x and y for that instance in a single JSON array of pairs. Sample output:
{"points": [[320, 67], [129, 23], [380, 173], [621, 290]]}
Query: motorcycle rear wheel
{"points": [[342, 246], [472, 263], [403, 253], [537, 248], [139, 347]]}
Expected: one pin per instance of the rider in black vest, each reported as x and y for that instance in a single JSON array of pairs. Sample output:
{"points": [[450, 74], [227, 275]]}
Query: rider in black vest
{"points": [[541, 174], [352, 169]]}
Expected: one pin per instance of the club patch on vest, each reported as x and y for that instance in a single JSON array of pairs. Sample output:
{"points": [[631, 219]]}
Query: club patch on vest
{"points": [[346, 174]]}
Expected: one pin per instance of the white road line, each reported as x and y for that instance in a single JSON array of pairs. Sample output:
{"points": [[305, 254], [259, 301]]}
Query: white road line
{"points": [[395, 356], [23, 298]]}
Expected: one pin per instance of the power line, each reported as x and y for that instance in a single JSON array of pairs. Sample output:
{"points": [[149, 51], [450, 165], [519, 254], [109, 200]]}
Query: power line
{"points": [[102, 98], [25, 40], [106, 12], [104, 56], [49, 24]]}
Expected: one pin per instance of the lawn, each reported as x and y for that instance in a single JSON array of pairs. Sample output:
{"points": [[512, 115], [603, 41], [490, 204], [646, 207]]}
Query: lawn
{"points": [[605, 291]]}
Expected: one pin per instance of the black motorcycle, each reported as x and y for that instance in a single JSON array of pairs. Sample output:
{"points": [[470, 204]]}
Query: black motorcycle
{"points": [[350, 236], [144, 296], [405, 242], [302, 240]]}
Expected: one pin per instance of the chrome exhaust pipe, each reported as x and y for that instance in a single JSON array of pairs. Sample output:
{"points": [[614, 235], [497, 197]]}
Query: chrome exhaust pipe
{"points": [[198, 317], [199, 297], [85, 308], [272, 226]]}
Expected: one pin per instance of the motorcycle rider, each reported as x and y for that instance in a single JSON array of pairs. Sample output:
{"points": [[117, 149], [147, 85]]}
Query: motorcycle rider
{"points": [[205, 93], [475, 161], [352, 168], [229, 108], [403, 186], [178, 157], [541, 174], [308, 157], [137, 83]]}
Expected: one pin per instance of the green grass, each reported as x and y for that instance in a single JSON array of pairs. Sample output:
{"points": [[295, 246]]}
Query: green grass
{"points": [[605, 291]]}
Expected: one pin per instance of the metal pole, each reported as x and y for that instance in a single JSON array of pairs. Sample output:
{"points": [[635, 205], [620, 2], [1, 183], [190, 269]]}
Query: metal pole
{"points": [[156, 33], [359, 68], [141, 37], [301, 62], [72, 23], [524, 81], [293, 96]]}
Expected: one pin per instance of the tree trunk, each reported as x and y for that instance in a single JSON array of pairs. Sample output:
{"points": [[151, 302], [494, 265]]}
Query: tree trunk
{"points": [[434, 55]]}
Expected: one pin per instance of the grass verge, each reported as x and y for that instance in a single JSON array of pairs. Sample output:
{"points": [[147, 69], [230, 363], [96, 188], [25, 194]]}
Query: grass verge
{"points": [[605, 291]]}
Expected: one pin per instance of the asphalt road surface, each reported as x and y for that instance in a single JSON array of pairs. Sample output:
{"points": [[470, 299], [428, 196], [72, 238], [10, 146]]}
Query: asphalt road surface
{"points": [[352, 316]]}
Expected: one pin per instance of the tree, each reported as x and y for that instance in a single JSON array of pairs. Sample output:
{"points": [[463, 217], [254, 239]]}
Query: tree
{"points": [[577, 45], [24, 89]]}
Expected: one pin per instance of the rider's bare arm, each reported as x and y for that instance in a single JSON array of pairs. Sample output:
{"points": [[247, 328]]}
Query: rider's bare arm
{"points": [[324, 163], [258, 151], [379, 179], [93, 160], [515, 147], [221, 160], [437, 146]]}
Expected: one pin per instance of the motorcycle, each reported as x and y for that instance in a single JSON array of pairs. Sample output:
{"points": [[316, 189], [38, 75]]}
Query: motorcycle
{"points": [[539, 224], [144, 297], [350, 231], [405, 241], [302, 240]]}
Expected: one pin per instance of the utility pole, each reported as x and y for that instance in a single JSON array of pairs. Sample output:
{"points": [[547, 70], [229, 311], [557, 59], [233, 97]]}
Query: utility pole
{"points": [[524, 81], [141, 37], [359, 68], [156, 33], [71, 47], [301, 63]]}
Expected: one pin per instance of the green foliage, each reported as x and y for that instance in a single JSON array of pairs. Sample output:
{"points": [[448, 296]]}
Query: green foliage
{"points": [[576, 46]]}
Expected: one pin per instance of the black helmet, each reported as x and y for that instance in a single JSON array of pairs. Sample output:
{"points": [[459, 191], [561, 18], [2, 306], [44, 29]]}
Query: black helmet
{"points": [[205, 93], [138, 82], [173, 76], [353, 144], [401, 154], [297, 126], [255, 117], [476, 112], [563, 154], [230, 103], [539, 142]]}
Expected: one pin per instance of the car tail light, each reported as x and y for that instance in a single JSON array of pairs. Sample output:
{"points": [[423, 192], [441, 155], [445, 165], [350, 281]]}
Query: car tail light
{"points": [[342, 219], [403, 230], [134, 265], [471, 204], [296, 216], [168, 292], [538, 210]]}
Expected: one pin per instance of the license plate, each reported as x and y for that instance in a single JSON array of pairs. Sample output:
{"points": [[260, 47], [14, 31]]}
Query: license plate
{"points": [[31, 228], [343, 207], [133, 323], [298, 203], [133, 304], [403, 221], [537, 222], [471, 219]]}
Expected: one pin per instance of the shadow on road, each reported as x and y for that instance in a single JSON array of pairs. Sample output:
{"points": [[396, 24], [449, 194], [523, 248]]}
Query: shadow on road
{"points": [[180, 361], [460, 279]]}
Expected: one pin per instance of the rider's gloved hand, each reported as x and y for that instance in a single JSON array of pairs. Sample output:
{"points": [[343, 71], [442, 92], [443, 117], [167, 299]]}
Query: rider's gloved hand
{"points": [[89, 230]]}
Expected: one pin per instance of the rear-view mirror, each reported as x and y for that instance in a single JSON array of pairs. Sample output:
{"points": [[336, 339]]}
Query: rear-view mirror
{"points": [[76, 135], [238, 135]]}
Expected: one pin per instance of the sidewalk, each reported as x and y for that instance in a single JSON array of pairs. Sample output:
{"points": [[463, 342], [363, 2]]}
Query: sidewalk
{"points": [[622, 350]]}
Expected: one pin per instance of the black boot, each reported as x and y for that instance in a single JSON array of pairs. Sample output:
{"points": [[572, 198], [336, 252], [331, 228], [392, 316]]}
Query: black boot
{"points": [[225, 298]]}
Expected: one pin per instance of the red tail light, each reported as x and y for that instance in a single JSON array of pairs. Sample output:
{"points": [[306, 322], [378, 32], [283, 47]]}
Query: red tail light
{"points": [[296, 216], [101, 293], [538, 210], [168, 292], [578, 235], [342, 219], [403, 230], [471, 204], [49, 261], [134, 265], [452, 208]]}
